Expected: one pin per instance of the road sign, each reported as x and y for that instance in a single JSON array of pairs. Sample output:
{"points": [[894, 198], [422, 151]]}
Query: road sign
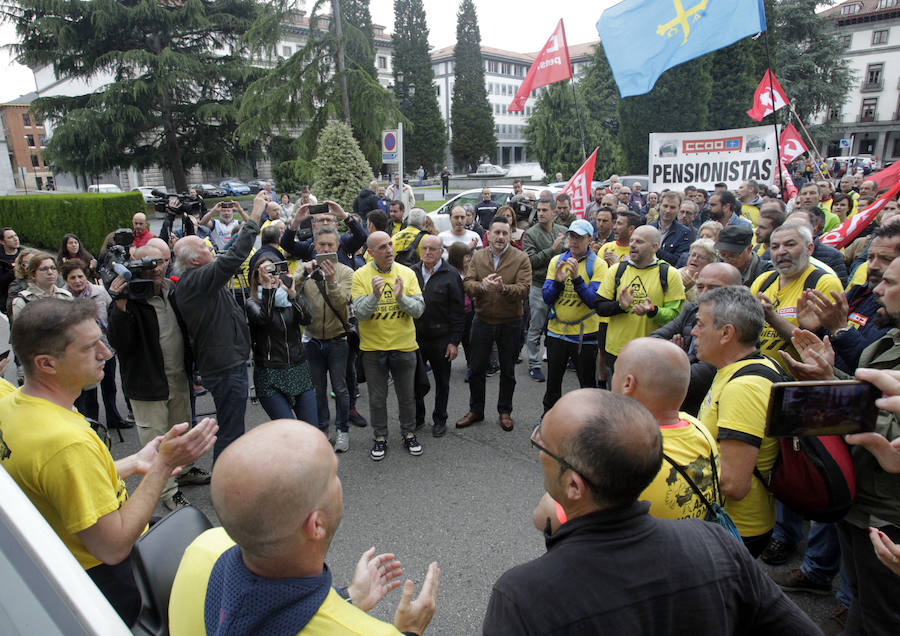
{"points": [[845, 143], [389, 146]]}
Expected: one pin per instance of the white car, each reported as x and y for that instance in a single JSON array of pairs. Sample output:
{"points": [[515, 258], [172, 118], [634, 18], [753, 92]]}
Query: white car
{"points": [[104, 187], [147, 193], [500, 194]]}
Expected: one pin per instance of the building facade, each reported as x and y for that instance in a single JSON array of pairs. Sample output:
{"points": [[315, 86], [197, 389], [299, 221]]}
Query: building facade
{"points": [[25, 138], [870, 117]]}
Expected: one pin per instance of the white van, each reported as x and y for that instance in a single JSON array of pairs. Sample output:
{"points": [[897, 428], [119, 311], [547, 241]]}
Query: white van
{"points": [[104, 187]]}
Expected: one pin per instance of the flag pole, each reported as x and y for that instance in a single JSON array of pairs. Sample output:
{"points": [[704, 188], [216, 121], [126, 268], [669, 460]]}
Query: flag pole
{"points": [[811, 142], [578, 116], [774, 115]]}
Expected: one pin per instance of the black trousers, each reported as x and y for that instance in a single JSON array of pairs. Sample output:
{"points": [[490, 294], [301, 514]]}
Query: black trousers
{"points": [[433, 351], [559, 352], [482, 340], [116, 582]]}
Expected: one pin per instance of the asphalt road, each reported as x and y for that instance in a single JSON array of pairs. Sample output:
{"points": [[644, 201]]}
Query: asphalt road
{"points": [[466, 502]]}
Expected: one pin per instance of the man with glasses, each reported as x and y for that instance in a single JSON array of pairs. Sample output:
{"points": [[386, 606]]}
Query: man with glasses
{"points": [[440, 329], [305, 249], [611, 567]]}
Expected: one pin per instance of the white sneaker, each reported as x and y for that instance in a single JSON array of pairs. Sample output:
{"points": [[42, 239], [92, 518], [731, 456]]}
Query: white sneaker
{"points": [[341, 442]]}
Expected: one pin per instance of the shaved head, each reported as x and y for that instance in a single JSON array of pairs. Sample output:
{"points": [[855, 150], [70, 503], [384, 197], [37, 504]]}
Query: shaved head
{"points": [[267, 483], [637, 373], [720, 275]]}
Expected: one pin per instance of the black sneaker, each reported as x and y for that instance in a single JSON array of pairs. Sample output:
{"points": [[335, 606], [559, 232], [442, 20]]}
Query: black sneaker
{"points": [[777, 552], [194, 477], [356, 419], [379, 450], [796, 581], [412, 445], [176, 501]]}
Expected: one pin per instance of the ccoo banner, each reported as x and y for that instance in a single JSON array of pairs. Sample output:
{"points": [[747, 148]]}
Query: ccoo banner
{"points": [[702, 159]]}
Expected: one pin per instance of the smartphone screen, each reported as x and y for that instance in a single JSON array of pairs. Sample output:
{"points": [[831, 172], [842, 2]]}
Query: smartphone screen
{"points": [[318, 208], [821, 408], [330, 256]]}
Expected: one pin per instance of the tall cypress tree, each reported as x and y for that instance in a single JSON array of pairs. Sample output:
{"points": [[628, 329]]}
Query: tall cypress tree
{"points": [[736, 73], [471, 118], [427, 139]]}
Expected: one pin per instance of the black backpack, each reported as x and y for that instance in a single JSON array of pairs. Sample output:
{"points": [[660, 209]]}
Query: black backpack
{"points": [[409, 255]]}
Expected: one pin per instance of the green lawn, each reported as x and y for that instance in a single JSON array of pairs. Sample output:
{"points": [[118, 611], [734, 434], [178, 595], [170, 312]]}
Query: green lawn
{"points": [[430, 206]]}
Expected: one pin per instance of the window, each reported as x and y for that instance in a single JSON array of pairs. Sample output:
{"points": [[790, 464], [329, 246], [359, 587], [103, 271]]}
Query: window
{"points": [[35, 161], [845, 40], [850, 9], [887, 4], [437, 90], [26, 120], [868, 109], [492, 66], [834, 114], [873, 76], [39, 182], [29, 139], [286, 51], [505, 69], [879, 37], [382, 62], [490, 88]]}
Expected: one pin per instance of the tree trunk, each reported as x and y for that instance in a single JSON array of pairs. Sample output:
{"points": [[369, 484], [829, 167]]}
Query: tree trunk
{"points": [[342, 76]]}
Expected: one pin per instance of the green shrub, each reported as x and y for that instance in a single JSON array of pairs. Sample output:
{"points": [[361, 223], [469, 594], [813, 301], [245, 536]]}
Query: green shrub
{"points": [[41, 220]]}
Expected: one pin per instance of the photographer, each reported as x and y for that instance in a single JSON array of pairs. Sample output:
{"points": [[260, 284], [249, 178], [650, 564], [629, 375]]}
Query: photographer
{"points": [[145, 332], [188, 209], [300, 243], [223, 227]]}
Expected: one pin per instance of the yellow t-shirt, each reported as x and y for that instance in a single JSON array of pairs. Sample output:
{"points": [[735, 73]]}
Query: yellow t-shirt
{"points": [[61, 466], [689, 445], [395, 227], [785, 303], [569, 306], [736, 410], [644, 283], [6, 387], [750, 212], [621, 251], [405, 237], [188, 600], [860, 276], [390, 328]]}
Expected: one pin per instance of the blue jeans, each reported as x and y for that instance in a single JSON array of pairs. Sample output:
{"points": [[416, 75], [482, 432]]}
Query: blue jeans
{"points": [[279, 406], [822, 560], [229, 391], [329, 358]]}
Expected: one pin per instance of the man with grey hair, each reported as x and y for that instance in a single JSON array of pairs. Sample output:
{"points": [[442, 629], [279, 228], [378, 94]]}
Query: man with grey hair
{"points": [[822, 253], [791, 246], [729, 321], [216, 323], [408, 241]]}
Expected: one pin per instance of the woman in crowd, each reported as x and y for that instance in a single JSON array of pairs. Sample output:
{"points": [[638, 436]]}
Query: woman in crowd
{"points": [[710, 230], [703, 252], [40, 273], [72, 250], [841, 205], [20, 276], [515, 234], [280, 372]]}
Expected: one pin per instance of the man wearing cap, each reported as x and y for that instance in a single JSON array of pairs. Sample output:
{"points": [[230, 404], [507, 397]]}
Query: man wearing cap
{"points": [[676, 238], [570, 292], [734, 246]]}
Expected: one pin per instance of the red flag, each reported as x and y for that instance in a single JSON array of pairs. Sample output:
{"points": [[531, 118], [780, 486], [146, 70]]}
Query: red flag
{"points": [[579, 186], [790, 144], [887, 177], [551, 65], [848, 230], [788, 189], [763, 100]]}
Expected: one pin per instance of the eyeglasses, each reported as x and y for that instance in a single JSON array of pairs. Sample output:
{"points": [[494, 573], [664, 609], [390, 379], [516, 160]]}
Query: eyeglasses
{"points": [[536, 435]]}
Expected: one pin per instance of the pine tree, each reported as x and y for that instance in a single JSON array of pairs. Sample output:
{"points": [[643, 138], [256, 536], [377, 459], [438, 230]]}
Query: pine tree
{"points": [[736, 71], [426, 140], [598, 98], [342, 170], [552, 131], [471, 118], [174, 98]]}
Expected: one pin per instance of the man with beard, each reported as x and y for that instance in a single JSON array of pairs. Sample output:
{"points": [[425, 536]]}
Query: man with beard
{"points": [[724, 208], [780, 291], [771, 217], [676, 238]]}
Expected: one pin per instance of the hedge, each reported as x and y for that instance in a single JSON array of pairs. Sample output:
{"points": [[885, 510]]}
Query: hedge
{"points": [[42, 220]]}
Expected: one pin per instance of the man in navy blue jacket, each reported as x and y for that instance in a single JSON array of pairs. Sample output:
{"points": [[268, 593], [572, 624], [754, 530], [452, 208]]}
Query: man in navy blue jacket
{"points": [[676, 238]]}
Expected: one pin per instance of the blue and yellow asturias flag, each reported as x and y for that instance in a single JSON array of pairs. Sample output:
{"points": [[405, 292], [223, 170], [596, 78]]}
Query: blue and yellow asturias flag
{"points": [[644, 38]]}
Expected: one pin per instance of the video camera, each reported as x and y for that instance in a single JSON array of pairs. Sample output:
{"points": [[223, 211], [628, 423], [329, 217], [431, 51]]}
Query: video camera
{"points": [[523, 207], [138, 288], [175, 204]]}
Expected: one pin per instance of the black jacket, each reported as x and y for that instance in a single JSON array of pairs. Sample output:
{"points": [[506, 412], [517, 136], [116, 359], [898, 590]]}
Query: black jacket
{"points": [[134, 334], [755, 268], [675, 243], [350, 241], [265, 250], [275, 331], [444, 315], [7, 275], [365, 202]]}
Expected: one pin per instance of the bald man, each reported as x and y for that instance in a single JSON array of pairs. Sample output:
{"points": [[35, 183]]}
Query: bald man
{"points": [[639, 294], [141, 229], [264, 578], [216, 323], [386, 299], [612, 568]]}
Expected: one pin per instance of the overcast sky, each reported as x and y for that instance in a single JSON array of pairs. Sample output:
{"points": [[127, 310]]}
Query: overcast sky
{"points": [[523, 30]]}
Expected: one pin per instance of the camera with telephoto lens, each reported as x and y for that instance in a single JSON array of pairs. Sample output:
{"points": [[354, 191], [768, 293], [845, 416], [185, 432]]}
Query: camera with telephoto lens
{"points": [[174, 204], [523, 206], [138, 288]]}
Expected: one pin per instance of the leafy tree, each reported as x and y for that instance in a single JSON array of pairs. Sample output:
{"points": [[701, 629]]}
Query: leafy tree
{"points": [[177, 69], [669, 107], [342, 170], [471, 118], [598, 98], [552, 131], [736, 71], [427, 139]]}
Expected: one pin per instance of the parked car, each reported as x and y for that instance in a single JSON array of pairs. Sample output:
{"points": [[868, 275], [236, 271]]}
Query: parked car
{"points": [[207, 190], [104, 187], [234, 187], [147, 193], [259, 184], [499, 193]]}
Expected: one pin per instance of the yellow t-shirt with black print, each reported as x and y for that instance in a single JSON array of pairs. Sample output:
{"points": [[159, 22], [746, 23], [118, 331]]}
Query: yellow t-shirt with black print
{"points": [[390, 328], [569, 306]]}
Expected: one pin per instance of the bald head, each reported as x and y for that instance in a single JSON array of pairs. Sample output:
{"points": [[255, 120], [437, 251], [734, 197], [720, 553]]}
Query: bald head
{"points": [[139, 223], [637, 374], [160, 246], [267, 483], [718, 275]]}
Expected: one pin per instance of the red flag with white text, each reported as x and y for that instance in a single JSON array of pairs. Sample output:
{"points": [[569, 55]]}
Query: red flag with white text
{"points": [[790, 144], [551, 65], [887, 177], [764, 102], [848, 230], [786, 183], [579, 186]]}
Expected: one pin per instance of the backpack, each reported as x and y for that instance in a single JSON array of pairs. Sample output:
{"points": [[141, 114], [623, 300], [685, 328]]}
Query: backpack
{"points": [[810, 283], [813, 475], [409, 255], [663, 276]]}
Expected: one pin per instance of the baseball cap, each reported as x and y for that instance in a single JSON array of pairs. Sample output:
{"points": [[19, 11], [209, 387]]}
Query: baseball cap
{"points": [[581, 228], [734, 238]]}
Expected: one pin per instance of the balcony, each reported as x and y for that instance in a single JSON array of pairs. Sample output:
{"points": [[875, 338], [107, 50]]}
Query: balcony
{"points": [[867, 117], [872, 87]]}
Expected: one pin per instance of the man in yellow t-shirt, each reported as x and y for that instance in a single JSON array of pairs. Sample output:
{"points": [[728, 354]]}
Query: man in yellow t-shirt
{"points": [[729, 321], [61, 465], [386, 298], [791, 246], [615, 251], [272, 578], [634, 296], [570, 292]]}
